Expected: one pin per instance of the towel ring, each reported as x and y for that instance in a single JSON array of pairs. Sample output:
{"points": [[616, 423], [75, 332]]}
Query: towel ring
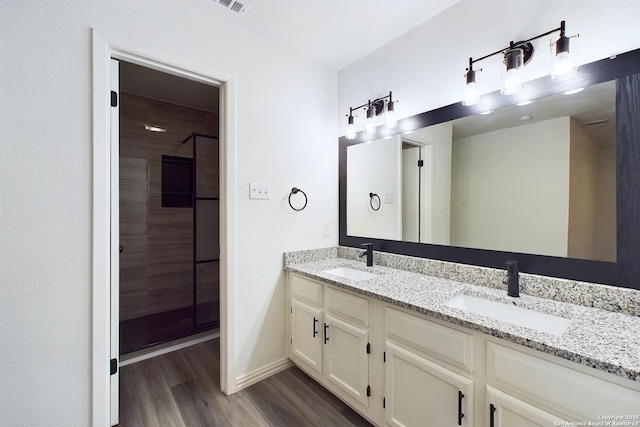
{"points": [[371, 196], [295, 190]]}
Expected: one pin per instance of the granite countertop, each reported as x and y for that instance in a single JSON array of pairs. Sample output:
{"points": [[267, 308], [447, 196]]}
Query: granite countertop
{"points": [[596, 338]]}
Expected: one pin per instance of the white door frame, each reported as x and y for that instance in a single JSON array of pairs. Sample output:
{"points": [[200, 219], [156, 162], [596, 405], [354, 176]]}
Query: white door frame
{"points": [[101, 214]]}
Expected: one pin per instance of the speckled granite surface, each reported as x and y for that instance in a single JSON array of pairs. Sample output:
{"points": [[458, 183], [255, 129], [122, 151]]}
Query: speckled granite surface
{"points": [[600, 335]]}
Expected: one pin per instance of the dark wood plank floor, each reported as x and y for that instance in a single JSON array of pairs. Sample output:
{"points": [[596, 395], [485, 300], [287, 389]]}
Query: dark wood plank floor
{"points": [[182, 388]]}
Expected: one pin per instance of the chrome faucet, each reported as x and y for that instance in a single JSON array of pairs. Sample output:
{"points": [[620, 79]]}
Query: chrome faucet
{"points": [[512, 279], [368, 253]]}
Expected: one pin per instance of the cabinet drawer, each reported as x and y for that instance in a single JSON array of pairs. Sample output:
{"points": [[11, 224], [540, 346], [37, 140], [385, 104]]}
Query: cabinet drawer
{"points": [[447, 344], [305, 290], [355, 309], [569, 391]]}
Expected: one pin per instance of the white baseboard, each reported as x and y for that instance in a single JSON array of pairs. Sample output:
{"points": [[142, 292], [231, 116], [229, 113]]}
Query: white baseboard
{"points": [[251, 378]]}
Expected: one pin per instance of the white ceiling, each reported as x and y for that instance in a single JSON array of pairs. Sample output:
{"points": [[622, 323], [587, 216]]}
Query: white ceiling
{"points": [[594, 104], [332, 32]]}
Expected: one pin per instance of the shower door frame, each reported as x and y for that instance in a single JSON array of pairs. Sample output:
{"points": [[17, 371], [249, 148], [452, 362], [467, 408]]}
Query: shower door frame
{"points": [[104, 171], [194, 202]]}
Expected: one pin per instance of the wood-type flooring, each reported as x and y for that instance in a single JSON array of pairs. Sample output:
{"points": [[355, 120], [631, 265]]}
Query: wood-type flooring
{"points": [[182, 388]]}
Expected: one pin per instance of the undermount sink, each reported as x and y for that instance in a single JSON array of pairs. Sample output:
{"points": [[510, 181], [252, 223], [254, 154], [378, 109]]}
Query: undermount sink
{"points": [[520, 316], [350, 273]]}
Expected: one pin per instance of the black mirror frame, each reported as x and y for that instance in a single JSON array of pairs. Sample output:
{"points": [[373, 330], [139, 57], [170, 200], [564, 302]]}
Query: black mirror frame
{"points": [[625, 69]]}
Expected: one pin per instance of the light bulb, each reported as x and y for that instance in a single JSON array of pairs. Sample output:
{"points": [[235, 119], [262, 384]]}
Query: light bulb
{"points": [[471, 95], [351, 129], [369, 126], [562, 65], [514, 61], [512, 82], [391, 120]]}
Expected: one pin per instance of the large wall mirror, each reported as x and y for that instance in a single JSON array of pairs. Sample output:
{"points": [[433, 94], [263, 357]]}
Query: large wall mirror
{"points": [[553, 183]]}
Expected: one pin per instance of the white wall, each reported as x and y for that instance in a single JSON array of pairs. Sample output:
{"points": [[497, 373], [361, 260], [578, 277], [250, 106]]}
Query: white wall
{"points": [[375, 167], [583, 195], [424, 68], [607, 234], [528, 212], [45, 183]]}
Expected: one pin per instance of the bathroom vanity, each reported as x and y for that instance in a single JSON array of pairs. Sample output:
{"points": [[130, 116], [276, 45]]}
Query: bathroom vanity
{"points": [[398, 344]]}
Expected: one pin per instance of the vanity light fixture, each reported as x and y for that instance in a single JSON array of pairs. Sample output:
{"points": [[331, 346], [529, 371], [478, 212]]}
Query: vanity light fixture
{"points": [[562, 62], [513, 61], [515, 57], [373, 109], [471, 95], [369, 126], [351, 129]]}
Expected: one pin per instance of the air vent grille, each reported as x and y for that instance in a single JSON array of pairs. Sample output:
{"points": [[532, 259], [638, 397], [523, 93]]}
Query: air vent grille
{"points": [[600, 122], [237, 6], [234, 5]]}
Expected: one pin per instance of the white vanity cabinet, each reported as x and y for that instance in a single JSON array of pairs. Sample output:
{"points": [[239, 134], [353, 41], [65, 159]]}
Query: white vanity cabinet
{"points": [[420, 389], [398, 367], [506, 411], [329, 338], [544, 389], [305, 301]]}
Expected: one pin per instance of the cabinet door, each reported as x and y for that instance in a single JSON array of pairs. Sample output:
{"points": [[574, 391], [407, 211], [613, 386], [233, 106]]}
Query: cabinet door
{"points": [[507, 411], [346, 358], [421, 393], [306, 335]]}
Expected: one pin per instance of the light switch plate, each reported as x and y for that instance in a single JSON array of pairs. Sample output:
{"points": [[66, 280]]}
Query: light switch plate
{"points": [[325, 229], [388, 197], [260, 190]]}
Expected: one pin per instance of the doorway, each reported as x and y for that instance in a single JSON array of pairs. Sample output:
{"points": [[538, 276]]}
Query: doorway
{"points": [[169, 208], [105, 212], [416, 191]]}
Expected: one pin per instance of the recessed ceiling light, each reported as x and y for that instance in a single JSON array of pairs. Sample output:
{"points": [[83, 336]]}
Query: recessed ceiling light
{"points": [[525, 118], [572, 91], [523, 103], [484, 113], [153, 128]]}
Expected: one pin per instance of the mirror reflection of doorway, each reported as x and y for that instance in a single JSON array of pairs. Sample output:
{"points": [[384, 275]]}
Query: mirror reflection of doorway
{"points": [[169, 205], [416, 191]]}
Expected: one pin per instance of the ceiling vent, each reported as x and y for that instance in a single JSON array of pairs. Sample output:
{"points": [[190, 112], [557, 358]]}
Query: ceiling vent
{"points": [[234, 5], [595, 123]]}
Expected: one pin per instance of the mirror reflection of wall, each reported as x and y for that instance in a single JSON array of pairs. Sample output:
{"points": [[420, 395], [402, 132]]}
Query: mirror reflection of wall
{"points": [[534, 179]]}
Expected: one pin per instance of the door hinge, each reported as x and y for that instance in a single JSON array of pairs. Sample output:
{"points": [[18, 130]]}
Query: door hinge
{"points": [[384, 402], [291, 341], [368, 390], [420, 163], [368, 348], [114, 98], [384, 357], [113, 369], [291, 310]]}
